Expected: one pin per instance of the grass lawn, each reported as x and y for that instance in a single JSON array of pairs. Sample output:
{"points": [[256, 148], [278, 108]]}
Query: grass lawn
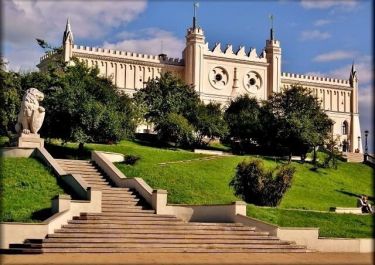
{"points": [[26, 189], [206, 182], [330, 224]]}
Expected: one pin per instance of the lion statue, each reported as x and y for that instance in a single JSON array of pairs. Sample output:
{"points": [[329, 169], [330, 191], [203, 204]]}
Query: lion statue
{"points": [[31, 115]]}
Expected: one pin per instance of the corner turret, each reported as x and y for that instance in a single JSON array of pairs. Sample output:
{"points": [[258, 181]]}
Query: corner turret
{"points": [[273, 55], [68, 42], [193, 54]]}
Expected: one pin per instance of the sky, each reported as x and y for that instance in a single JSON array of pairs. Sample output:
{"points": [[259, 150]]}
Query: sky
{"points": [[321, 37]]}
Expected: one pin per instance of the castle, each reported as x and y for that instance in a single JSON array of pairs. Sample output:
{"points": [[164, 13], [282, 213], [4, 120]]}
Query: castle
{"points": [[221, 74]]}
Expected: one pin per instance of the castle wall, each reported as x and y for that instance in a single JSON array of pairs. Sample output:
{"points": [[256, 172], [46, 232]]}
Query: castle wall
{"points": [[335, 96], [219, 75]]}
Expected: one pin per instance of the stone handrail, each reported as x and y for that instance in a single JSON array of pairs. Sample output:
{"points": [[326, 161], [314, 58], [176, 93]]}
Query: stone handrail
{"points": [[64, 208], [309, 237]]}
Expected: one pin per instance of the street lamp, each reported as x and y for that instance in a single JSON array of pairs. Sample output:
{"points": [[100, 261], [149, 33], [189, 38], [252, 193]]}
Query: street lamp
{"points": [[366, 147]]}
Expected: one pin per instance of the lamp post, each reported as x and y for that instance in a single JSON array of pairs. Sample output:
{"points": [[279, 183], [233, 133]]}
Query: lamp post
{"points": [[366, 147]]}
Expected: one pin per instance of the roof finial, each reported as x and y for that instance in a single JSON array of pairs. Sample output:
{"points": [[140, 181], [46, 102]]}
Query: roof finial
{"points": [[68, 31], [271, 22], [196, 5]]}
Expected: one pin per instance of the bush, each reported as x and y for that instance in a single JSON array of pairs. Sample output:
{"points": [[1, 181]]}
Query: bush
{"points": [[131, 159], [255, 184], [176, 129]]}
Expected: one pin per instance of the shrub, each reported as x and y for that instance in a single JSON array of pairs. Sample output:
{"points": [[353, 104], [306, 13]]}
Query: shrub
{"points": [[131, 159], [255, 184], [175, 128]]}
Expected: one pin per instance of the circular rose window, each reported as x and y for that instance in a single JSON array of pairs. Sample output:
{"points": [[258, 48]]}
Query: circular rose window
{"points": [[218, 77], [252, 81]]}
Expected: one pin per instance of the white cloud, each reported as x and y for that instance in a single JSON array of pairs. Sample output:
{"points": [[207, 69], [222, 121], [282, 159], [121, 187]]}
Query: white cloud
{"points": [[325, 4], [148, 41], [26, 20], [334, 56], [314, 35], [322, 22]]}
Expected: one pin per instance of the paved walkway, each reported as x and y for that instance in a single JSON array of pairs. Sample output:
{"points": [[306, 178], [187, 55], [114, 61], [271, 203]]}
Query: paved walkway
{"points": [[185, 259]]}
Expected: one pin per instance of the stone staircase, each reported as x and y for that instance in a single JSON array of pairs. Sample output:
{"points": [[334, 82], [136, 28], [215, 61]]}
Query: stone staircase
{"points": [[353, 157], [127, 224]]}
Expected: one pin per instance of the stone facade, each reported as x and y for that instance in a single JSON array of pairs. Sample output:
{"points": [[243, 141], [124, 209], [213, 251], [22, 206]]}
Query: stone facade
{"points": [[220, 74]]}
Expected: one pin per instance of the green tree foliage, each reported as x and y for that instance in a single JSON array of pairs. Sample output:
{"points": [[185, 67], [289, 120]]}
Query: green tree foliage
{"points": [[165, 95], [244, 120], [209, 122], [294, 119], [255, 184], [87, 108], [175, 128], [10, 101]]}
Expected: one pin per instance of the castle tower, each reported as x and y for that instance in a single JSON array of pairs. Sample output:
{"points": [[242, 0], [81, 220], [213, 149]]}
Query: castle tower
{"points": [[68, 42], [273, 55], [193, 55], [355, 129]]}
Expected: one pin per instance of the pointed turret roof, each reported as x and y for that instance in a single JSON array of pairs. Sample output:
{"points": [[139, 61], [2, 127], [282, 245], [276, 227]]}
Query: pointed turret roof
{"points": [[68, 33]]}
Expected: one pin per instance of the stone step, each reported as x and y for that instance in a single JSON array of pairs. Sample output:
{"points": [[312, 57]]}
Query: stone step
{"points": [[78, 235], [153, 222], [147, 230], [119, 201], [119, 208], [123, 203], [159, 240], [135, 214], [164, 245], [125, 218], [170, 226], [118, 190], [108, 196], [170, 250]]}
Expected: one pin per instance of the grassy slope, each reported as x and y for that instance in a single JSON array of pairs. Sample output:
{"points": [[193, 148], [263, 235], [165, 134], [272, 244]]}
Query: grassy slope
{"points": [[27, 188], [330, 224], [206, 182]]}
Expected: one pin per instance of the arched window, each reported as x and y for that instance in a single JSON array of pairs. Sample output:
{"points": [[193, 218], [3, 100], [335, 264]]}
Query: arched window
{"points": [[345, 128]]}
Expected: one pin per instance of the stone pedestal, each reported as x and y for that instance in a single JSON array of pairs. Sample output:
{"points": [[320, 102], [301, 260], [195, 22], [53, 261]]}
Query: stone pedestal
{"points": [[30, 140]]}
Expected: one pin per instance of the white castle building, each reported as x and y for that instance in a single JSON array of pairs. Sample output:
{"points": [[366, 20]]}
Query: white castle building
{"points": [[222, 73]]}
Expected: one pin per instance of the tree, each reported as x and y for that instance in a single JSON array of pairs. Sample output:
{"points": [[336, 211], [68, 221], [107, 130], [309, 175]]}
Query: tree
{"points": [[244, 119], [209, 122], [175, 128], [10, 101], [167, 94], [255, 184], [84, 107], [294, 120]]}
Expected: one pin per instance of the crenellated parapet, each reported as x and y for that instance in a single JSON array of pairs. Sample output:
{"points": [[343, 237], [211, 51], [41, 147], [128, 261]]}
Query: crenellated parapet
{"points": [[127, 55], [47, 55], [94, 51], [315, 79], [239, 54]]}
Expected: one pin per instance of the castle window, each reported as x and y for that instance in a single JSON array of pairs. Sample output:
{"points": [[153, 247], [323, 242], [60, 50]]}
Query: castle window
{"points": [[252, 81], [218, 77], [345, 128]]}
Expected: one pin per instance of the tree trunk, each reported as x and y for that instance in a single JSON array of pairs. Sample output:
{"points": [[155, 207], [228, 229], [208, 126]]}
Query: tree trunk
{"points": [[80, 148], [314, 156], [290, 158]]}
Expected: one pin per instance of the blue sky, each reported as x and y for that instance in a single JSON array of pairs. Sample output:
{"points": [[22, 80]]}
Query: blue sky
{"points": [[317, 37]]}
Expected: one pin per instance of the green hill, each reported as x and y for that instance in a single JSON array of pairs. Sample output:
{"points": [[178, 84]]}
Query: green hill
{"points": [[27, 188]]}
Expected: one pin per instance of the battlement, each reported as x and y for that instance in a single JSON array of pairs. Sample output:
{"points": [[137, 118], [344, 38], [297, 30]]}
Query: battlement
{"points": [[47, 55], [240, 54], [127, 55], [318, 79], [197, 30], [121, 54]]}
